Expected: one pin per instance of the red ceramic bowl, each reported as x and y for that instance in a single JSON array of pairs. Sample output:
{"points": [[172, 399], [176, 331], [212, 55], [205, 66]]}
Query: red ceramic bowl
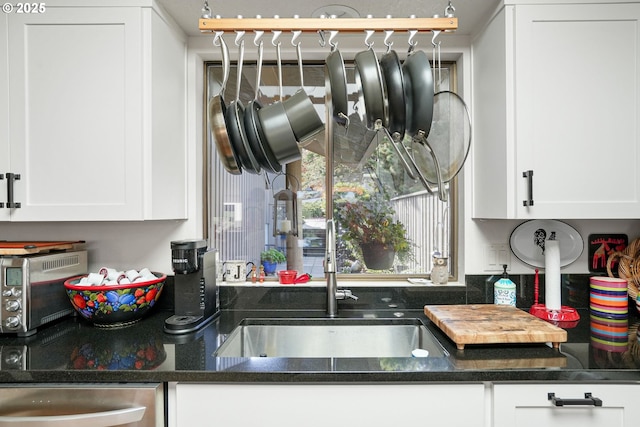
{"points": [[114, 305], [287, 277]]}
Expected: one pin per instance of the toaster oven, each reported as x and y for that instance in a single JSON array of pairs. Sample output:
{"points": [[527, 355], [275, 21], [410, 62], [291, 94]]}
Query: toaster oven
{"points": [[32, 289]]}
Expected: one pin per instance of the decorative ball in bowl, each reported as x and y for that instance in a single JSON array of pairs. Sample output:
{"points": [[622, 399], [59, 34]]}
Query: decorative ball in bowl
{"points": [[112, 306]]}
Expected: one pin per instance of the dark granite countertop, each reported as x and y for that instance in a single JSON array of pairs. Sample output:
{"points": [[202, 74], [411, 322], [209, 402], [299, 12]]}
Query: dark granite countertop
{"points": [[73, 350]]}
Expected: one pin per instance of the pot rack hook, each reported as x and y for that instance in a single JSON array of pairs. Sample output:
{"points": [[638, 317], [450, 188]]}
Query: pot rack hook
{"points": [[435, 35], [367, 38], [295, 34], [239, 34], [436, 56], [257, 39], [387, 36], [276, 35], [216, 38], [322, 41], [412, 42], [294, 38], [332, 35]]}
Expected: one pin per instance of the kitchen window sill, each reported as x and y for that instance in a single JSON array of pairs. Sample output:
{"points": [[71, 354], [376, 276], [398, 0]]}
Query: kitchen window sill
{"points": [[346, 283]]}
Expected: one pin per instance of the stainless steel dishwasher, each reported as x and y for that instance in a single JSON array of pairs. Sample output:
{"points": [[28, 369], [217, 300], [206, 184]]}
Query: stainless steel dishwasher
{"points": [[80, 405]]}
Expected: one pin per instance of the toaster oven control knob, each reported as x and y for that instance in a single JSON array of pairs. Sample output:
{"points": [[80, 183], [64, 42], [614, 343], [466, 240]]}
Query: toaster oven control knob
{"points": [[7, 293], [12, 305], [12, 322], [17, 292]]}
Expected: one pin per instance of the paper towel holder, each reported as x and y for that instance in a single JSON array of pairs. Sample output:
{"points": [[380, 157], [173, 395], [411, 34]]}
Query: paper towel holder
{"points": [[567, 317]]}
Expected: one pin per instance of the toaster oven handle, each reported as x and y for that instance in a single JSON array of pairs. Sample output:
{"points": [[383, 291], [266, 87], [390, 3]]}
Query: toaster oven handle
{"points": [[94, 419]]}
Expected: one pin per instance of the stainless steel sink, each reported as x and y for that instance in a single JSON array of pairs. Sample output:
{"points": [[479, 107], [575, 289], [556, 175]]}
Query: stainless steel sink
{"points": [[323, 337]]}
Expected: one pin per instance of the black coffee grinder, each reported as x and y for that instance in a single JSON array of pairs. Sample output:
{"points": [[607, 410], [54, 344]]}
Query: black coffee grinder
{"points": [[197, 301]]}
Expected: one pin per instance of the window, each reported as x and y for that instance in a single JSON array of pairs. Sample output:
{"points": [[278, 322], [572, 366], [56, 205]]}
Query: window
{"points": [[367, 174]]}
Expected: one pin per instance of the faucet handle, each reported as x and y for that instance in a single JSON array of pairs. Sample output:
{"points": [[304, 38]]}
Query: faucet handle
{"points": [[345, 293]]}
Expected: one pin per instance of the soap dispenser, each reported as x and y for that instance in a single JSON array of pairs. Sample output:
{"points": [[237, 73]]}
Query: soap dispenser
{"points": [[504, 290]]}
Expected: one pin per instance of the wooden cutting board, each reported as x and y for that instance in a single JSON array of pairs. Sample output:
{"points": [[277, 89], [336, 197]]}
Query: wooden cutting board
{"points": [[27, 248], [492, 324]]}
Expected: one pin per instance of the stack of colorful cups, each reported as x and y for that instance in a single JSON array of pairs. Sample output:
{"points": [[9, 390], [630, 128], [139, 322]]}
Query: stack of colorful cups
{"points": [[608, 303]]}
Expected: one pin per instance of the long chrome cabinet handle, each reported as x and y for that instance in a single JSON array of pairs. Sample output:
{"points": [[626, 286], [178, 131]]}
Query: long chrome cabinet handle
{"points": [[95, 419], [1, 178], [529, 175]]}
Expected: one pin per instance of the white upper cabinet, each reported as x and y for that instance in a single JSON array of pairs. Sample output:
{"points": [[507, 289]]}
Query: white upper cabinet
{"points": [[4, 118], [556, 91], [96, 115]]}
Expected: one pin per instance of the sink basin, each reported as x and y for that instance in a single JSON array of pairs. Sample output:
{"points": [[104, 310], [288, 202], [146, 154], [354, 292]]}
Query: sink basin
{"points": [[323, 337]]}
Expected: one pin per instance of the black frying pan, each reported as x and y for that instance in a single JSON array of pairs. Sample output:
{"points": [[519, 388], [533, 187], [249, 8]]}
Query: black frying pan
{"points": [[394, 81], [419, 94], [336, 85], [371, 89], [253, 127], [393, 77], [217, 111], [235, 123]]}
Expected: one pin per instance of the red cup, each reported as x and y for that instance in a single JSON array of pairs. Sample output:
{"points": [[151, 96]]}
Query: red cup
{"points": [[287, 277]]}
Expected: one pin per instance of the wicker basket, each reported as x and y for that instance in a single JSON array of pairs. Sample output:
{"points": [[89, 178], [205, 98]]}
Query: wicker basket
{"points": [[631, 357], [628, 267]]}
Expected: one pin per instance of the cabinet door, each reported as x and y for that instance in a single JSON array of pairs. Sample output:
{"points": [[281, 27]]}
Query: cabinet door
{"points": [[75, 84], [526, 405], [577, 119], [294, 405]]}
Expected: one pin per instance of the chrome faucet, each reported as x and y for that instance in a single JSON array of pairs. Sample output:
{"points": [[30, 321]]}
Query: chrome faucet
{"points": [[333, 294]]}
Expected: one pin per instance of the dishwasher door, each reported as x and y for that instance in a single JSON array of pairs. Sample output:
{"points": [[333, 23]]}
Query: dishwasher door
{"points": [[76, 405]]}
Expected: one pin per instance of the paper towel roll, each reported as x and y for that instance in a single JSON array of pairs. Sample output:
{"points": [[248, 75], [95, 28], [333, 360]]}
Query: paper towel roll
{"points": [[552, 294]]}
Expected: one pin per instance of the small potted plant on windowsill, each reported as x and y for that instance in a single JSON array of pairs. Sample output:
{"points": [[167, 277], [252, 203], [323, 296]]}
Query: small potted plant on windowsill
{"points": [[270, 258], [370, 226]]}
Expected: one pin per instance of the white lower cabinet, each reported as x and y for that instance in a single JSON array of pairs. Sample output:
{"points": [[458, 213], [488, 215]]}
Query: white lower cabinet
{"points": [[311, 405], [524, 405], [376, 404]]}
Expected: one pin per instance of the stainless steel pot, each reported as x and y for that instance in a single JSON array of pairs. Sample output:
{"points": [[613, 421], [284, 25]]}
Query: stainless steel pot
{"points": [[278, 133], [276, 126], [303, 116]]}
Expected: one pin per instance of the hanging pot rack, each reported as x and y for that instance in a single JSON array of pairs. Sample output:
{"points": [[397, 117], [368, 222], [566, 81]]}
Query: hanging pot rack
{"points": [[413, 25], [344, 25]]}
